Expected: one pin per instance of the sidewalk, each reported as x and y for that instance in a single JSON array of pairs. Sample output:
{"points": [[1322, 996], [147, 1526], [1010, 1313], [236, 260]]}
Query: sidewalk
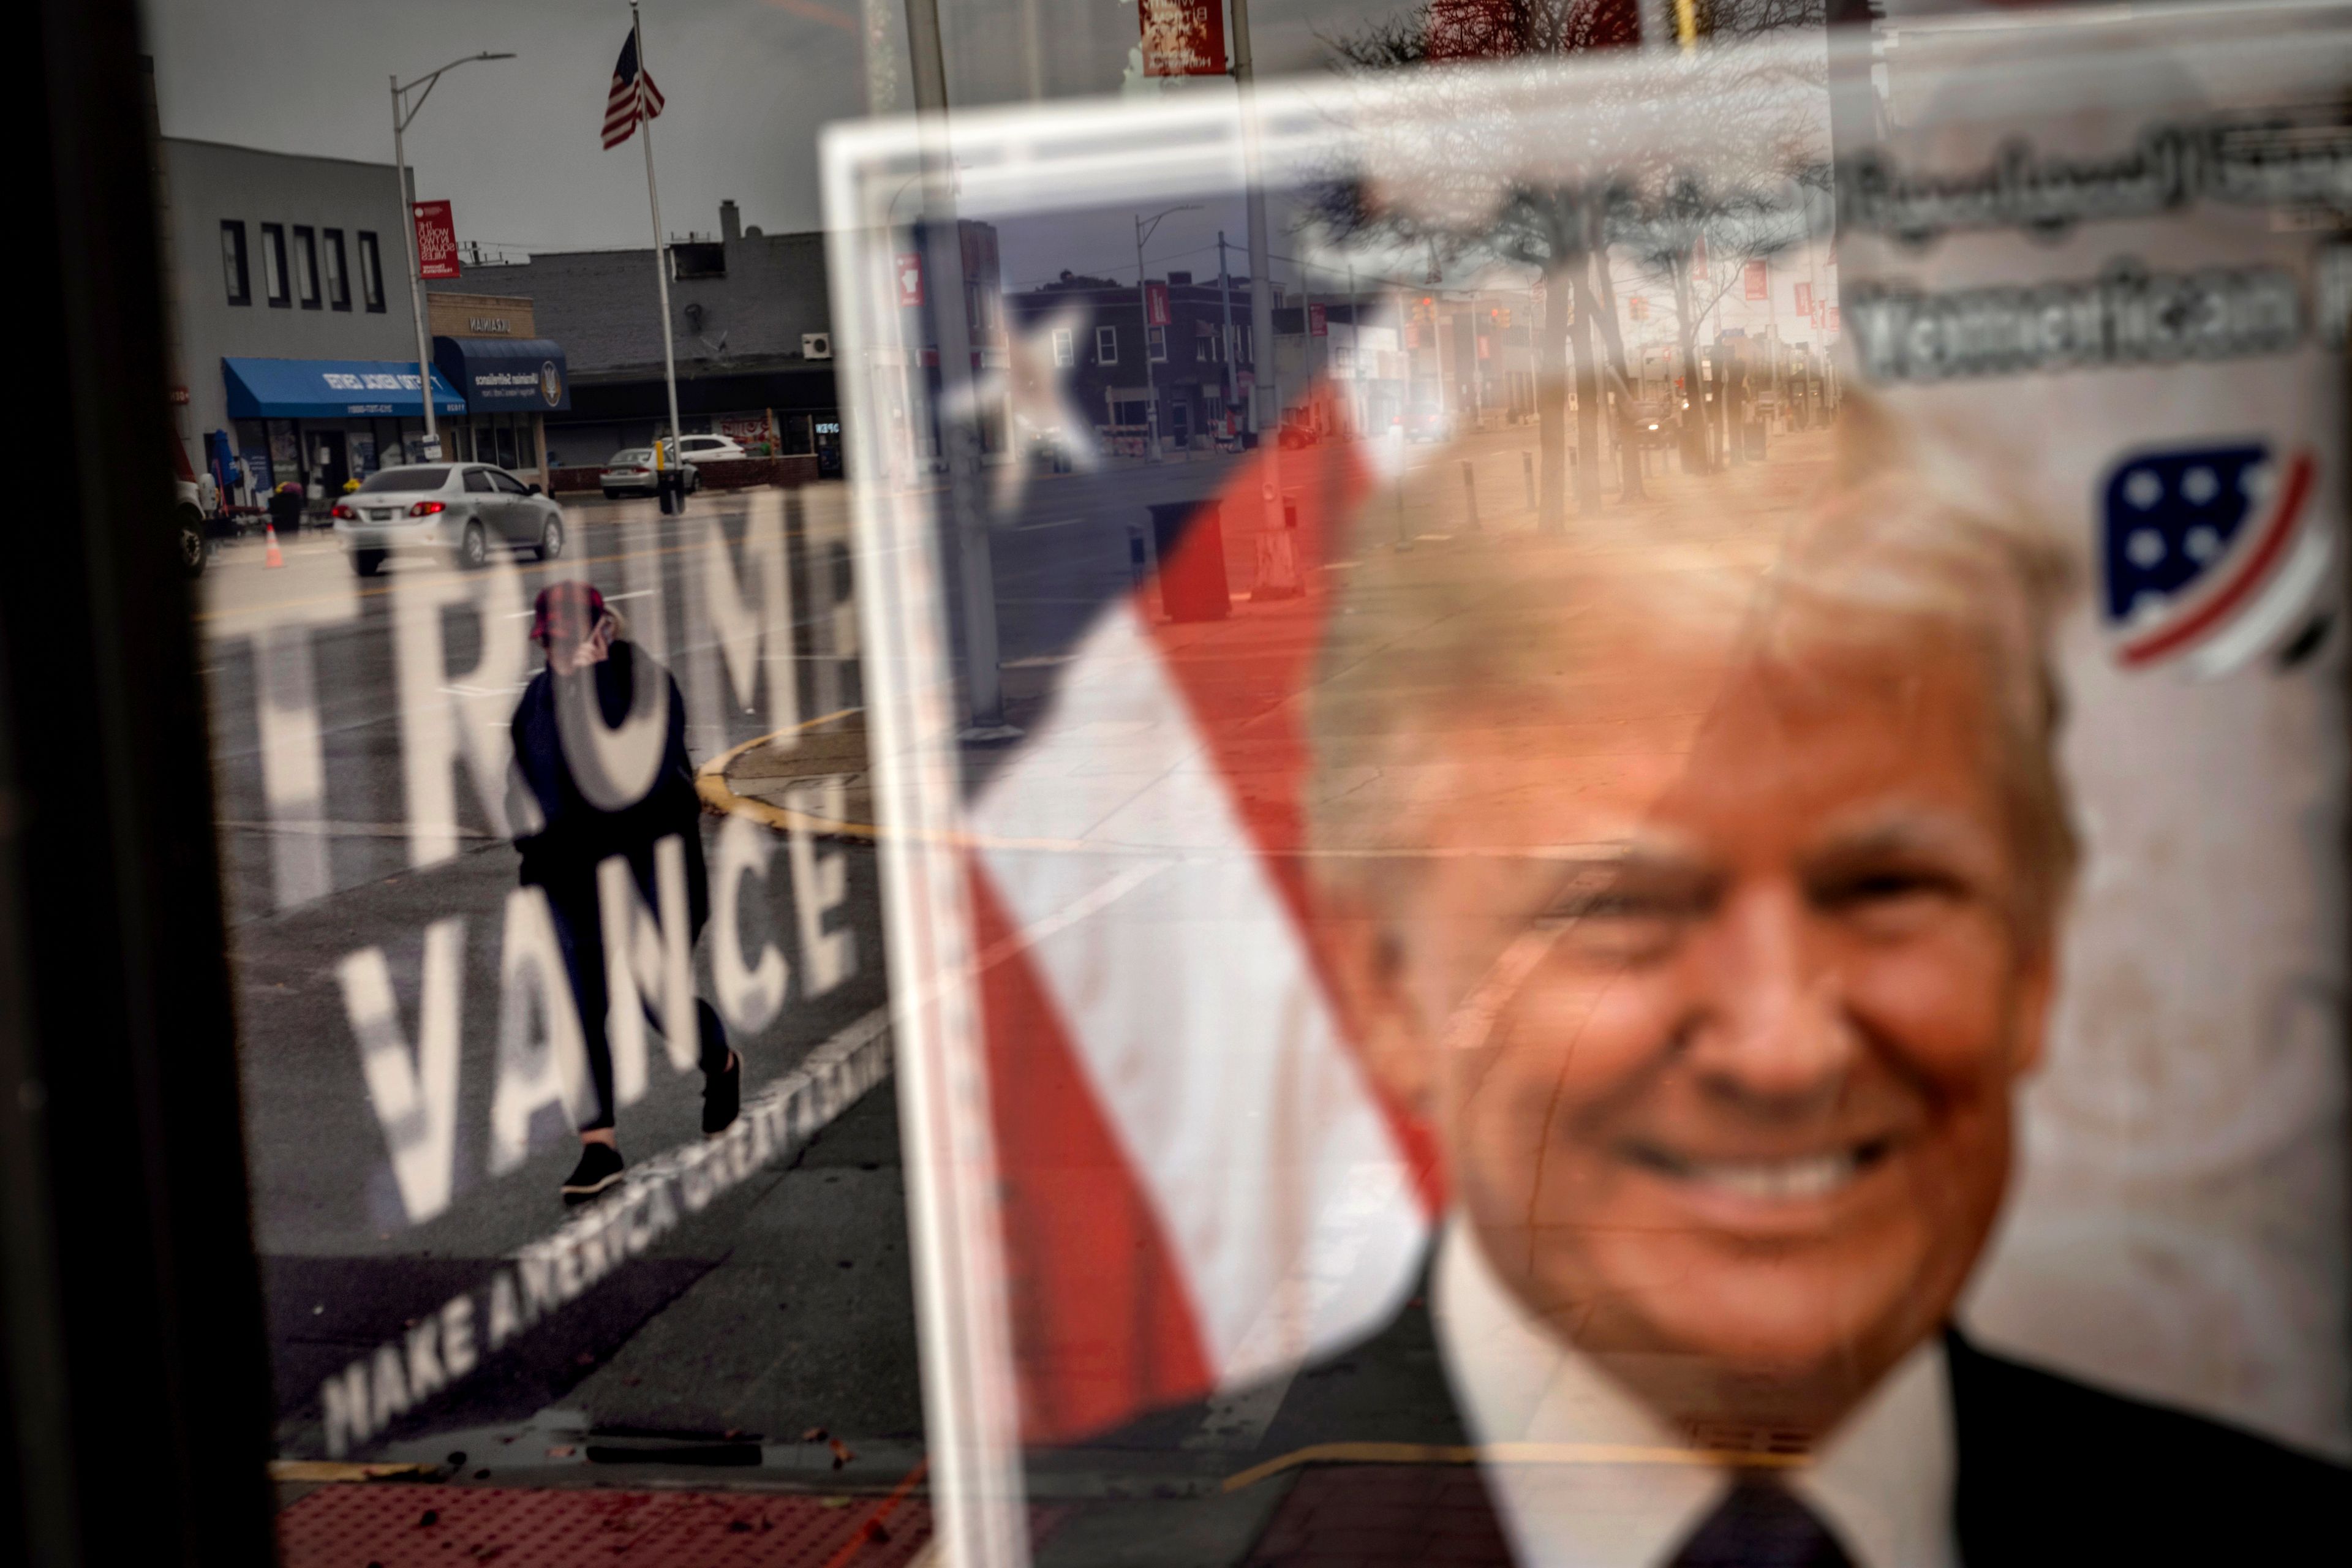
{"points": [[782, 780]]}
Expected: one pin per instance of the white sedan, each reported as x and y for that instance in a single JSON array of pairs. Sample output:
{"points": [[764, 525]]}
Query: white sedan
{"points": [[455, 510]]}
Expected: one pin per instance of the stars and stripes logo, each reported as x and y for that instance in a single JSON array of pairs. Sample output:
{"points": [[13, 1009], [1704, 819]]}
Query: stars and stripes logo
{"points": [[634, 96], [2208, 554]]}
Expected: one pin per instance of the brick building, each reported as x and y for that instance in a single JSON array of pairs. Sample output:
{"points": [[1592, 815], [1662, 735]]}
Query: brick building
{"points": [[1197, 368]]}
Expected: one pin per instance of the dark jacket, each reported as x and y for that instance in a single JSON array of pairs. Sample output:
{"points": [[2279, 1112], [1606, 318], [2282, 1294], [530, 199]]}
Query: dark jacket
{"points": [[576, 835], [285, 510], [2051, 1472]]}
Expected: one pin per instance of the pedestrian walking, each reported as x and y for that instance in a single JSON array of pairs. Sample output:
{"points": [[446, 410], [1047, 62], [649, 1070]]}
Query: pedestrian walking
{"points": [[583, 640], [286, 507]]}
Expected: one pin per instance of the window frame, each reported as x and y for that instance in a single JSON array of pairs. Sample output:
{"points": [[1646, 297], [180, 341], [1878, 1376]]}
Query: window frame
{"points": [[371, 268], [1106, 344], [1155, 345], [336, 265], [474, 470], [236, 262], [308, 292], [276, 284], [1066, 347]]}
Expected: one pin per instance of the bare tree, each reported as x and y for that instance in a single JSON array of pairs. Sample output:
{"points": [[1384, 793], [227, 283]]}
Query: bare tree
{"points": [[1650, 207]]}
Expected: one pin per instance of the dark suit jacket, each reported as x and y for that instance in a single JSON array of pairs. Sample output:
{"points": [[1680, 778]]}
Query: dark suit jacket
{"points": [[2051, 1470]]}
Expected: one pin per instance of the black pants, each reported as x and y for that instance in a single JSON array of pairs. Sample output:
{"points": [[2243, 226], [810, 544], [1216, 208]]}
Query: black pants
{"points": [[580, 932]]}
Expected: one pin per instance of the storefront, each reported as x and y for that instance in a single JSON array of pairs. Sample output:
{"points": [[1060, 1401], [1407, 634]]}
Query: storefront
{"points": [[322, 422], [510, 385]]}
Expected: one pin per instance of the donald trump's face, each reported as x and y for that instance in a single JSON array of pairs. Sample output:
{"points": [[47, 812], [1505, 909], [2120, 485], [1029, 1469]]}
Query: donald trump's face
{"points": [[1717, 983]]}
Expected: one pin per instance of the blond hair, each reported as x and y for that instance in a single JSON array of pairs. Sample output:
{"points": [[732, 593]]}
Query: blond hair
{"points": [[1901, 551]]}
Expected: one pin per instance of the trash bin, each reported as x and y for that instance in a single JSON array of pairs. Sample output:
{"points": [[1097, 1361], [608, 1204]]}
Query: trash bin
{"points": [[1189, 539]]}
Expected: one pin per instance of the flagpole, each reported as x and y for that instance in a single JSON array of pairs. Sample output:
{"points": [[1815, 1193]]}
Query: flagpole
{"points": [[661, 259]]}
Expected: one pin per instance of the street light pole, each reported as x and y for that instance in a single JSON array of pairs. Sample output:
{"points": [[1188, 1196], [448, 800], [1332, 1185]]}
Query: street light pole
{"points": [[1266, 396], [1143, 231], [403, 113]]}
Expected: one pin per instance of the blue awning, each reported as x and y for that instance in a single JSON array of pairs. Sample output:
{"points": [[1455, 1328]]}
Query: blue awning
{"points": [[330, 389], [519, 376]]}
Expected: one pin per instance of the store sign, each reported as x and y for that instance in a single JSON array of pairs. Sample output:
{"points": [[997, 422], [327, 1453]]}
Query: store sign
{"points": [[437, 239], [1183, 38]]}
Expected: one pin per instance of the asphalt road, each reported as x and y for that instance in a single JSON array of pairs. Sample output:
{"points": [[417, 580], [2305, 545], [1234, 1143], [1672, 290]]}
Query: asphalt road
{"points": [[782, 1306]]}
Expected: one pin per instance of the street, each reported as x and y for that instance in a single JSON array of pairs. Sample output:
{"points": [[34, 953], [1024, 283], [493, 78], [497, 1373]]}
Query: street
{"points": [[776, 1320]]}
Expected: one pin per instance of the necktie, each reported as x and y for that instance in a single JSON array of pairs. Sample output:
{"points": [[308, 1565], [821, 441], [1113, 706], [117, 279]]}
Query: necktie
{"points": [[1761, 1525]]}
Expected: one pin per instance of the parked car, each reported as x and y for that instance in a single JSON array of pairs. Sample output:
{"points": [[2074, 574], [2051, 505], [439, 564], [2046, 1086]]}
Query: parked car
{"points": [[709, 449], [458, 510], [1426, 422], [188, 522], [632, 472]]}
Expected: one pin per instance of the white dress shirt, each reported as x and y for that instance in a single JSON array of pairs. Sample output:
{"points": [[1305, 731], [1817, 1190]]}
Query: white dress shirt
{"points": [[1585, 1476]]}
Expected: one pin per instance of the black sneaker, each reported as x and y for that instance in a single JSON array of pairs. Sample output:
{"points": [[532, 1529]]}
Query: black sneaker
{"points": [[723, 1096], [599, 1168]]}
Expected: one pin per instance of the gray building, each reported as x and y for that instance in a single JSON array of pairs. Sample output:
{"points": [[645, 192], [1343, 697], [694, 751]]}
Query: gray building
{"points": [[749, 317], [293, 341]]}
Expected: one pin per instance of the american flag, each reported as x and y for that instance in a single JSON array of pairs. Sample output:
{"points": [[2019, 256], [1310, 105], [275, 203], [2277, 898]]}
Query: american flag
{"points": [[1199, 1184], [634, 96]]}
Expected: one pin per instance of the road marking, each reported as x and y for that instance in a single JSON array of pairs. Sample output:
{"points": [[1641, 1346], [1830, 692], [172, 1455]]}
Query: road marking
{"points": [[655, 1196]]}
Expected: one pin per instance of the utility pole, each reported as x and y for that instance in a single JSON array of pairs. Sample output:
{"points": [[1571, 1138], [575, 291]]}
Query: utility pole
{"points": [[1265, 411], [1232, 348], [1144, 229], [1150, 380], [957, 411], [403, 113]]}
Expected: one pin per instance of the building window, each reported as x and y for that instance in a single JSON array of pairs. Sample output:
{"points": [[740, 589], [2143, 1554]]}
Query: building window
{"points": [[1155, 343], [273, 264], [233, 267], [1106, 345], [370, 272], [306, 267], [339, 280], [1064, 350]]}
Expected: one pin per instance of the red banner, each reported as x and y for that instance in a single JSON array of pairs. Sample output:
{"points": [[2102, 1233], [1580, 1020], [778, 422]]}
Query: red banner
{"points": [[1155, 304], [437, 239], [907, 268], [1830, 321], [1805, 298], [1317, 323], [1756, 281], [1183, 38]]}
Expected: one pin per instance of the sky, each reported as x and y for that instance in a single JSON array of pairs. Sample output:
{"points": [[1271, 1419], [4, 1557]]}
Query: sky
{"points": [[514, 144]]}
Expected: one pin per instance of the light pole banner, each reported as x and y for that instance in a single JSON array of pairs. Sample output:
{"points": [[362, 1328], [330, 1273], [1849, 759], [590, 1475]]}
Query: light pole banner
{"points": [[437, 239], [1183, 38]]}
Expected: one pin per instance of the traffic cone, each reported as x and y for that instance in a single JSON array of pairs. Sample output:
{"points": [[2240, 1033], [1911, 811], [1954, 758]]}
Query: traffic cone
{"points": [[269, 531]]}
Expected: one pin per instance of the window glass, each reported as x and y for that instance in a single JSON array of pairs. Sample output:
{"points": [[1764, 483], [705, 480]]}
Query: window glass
{"points": [[234, 271], [274, 281], [306, 267], [1464, 903], [370, 272], [331, 256], [406, 479]]}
